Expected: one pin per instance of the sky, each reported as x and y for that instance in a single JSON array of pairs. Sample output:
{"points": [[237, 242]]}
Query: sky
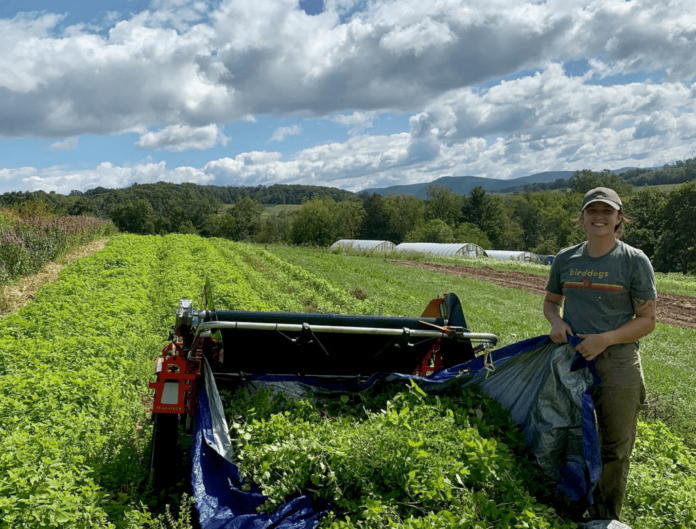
{"points": [[352, 94]]}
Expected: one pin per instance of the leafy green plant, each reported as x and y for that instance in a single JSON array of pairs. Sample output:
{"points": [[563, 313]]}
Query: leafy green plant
{"points": [[394, 459], [660, 458]]}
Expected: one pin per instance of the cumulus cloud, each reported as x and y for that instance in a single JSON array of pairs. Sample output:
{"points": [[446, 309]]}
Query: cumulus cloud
{"points": [[106, 174], [69, 144], [357, 122], [483, 83], [191, 62], [178, 138], [282, 132], [545, 121]]}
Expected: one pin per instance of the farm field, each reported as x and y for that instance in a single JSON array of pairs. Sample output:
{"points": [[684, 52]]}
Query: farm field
{"points": [[668, 354], [76, 361]]}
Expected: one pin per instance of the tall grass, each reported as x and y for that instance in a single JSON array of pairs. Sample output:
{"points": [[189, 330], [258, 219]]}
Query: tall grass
{"points": [[30, 237]]}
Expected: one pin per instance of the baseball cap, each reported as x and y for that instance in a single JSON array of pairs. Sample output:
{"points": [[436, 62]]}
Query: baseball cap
{"points": [[602, 194]]}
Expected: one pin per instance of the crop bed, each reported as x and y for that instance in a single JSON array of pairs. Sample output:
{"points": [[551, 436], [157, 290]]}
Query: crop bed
{"points": [[76, 361]]}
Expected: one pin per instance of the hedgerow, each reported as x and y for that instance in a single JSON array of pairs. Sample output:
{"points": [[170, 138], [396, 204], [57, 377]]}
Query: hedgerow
{"points": [[28, 241]]}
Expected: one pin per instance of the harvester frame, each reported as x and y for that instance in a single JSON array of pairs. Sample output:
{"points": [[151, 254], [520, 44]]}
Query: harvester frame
{"points": [[343, 349]]}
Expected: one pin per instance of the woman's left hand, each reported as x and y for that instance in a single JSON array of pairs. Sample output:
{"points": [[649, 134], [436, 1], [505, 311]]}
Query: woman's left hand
{"points": [[592, 345]]}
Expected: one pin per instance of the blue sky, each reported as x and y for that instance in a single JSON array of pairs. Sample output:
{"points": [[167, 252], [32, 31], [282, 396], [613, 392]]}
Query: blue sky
{"points": [[345, 93]]}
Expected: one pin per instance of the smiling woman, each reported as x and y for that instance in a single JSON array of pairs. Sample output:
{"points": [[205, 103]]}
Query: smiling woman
{"points": [[607, 291]]}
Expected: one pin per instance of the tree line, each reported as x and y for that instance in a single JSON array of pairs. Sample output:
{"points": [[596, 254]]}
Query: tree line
{"points": [[541, 221]]}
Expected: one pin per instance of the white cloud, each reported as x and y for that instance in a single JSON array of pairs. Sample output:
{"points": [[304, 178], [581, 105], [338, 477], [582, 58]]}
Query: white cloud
{"points": [[546, 121], [178, 138], [69, 144], [191, 62], [184, 63], [107, 175], [282, 132], [357, 122]]}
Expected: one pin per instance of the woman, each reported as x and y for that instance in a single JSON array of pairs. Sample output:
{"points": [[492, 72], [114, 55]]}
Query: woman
{"points": [[607, 291]]}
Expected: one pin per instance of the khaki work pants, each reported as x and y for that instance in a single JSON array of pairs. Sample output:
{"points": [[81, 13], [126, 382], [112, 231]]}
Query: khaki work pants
{"points": [[617, 401]]}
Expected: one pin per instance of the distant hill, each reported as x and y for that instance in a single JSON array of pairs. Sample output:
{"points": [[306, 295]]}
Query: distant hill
{"points": [[464, 184]]}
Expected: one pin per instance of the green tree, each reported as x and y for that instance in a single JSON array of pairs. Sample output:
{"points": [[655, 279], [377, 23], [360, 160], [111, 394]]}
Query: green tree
{"points": [[489, 214], [468, 232], [348, 218], [276, 228], [545, 220], [322, 221], [443, 204], [247, 216], [222, 225], [404, 213], [676, 246], [134, 217], [434, 230], [583, 181], [645, 209], [375, 225]]}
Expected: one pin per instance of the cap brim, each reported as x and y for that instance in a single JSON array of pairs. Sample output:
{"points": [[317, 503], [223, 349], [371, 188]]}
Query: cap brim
{"points": [[612, 204]]}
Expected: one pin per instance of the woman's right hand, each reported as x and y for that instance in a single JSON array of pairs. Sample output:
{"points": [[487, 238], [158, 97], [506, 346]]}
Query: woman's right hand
{"points": [[559, 332], [552, 312]]}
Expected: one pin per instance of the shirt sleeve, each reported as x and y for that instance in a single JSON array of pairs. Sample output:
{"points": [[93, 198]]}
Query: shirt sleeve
{"points": [[643, 278], [554, 284]]}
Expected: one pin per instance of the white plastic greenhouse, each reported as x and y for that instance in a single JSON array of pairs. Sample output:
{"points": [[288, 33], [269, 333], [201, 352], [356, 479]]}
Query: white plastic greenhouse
{"points": [[465, 249], [357, 244], [512, 255]]}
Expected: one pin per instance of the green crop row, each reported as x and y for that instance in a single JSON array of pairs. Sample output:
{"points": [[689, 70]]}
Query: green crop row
{"points": [[74, 371], [73, 367]]}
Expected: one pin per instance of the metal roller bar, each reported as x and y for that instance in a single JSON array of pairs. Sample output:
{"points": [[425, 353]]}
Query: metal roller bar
{"points": [[296, 327], [332, 377]]}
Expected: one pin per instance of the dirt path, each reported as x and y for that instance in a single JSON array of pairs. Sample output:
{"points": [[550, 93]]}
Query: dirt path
{"points": [[14, 297], [672, 309]]}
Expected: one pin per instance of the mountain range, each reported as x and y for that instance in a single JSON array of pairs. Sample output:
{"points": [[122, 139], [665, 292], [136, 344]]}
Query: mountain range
{"points": [[464, 184]]}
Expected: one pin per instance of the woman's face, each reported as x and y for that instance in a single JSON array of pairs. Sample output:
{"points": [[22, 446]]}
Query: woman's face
{"points": [[600, 219]]}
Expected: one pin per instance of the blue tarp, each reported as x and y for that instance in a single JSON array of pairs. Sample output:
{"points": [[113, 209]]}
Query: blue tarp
{"points": [[544, 386]]}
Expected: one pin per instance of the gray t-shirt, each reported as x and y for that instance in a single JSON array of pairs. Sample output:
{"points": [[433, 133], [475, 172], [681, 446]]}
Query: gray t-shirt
{"points": [[599, 290]]}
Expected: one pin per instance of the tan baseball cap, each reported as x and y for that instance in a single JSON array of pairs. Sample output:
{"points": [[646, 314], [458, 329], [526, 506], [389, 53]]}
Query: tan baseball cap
{"points": [[602, 194]]}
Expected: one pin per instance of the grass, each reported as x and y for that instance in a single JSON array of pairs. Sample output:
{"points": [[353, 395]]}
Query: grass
{"points": [[274, 209], [672, 283], [668, 354]]}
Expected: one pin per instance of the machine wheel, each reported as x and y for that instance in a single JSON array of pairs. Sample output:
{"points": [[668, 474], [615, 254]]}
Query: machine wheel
{"points": [[165, 460]]}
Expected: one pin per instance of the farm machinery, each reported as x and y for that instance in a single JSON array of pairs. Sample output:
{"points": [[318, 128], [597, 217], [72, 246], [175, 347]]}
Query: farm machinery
{"points": [[231, 347]]}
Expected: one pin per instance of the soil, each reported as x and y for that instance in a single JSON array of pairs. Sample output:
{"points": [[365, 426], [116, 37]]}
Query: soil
{"points": [[672, 309]]}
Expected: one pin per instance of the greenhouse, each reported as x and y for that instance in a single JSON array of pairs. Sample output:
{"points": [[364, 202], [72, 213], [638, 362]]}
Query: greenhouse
{"points": [[357, 244], [463, 249], [512, 255]]}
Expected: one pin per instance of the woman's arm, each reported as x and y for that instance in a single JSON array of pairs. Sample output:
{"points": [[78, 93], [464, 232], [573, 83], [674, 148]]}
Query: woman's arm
{"points": [[552, 312], [643, 324]]}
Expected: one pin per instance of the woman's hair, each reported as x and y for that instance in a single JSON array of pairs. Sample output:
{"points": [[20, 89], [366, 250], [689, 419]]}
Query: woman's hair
{"points": [[618, 229]]}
